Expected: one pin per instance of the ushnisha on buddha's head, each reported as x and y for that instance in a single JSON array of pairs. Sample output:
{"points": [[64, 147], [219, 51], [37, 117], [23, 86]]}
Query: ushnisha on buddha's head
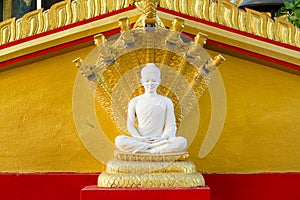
{"points": [[150, 78]]}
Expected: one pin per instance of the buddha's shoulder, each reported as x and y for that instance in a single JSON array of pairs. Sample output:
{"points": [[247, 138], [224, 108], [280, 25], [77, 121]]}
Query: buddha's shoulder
{"points": [[135, 99], [164, 98]]}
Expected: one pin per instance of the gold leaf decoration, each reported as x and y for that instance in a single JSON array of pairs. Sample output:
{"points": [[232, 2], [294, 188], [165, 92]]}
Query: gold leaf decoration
{"points": [[60, 14], [7, 31], [32, 23]]}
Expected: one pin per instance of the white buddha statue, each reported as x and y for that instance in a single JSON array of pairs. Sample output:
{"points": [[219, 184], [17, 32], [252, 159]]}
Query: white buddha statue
{"points": [[156, 129]]}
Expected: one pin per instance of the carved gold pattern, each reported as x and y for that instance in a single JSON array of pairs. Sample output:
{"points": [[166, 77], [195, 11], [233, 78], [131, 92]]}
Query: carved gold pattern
{"points": [[229, 15], [78, 9], [104, 7], [119, 166], [284, 31], [191, 7], [150, 11], [18, 29], [93, 8], [169, 4], [183, 6], [223, 12], [170, 157], [242, 20], [270, 28], [297, 37], [257, 23], [46, 15], [148, 8], [7, 32], [176, 5], [213, 12], [151, 180], [32, 23], [60, 14], [201, 9], [150, 171]]}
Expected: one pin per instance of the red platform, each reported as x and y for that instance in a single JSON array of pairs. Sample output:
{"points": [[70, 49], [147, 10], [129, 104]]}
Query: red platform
{"points": [[95, 193]]}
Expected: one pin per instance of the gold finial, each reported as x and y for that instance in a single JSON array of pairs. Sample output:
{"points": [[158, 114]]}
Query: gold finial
{"points": [[150, 11], [124, 24], [78, 62], [177, 24], [99, 39], [217, 60], [200, 38]]}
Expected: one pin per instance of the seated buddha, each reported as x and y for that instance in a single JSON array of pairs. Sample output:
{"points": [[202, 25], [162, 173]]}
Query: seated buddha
{"points": [[155, 131]]}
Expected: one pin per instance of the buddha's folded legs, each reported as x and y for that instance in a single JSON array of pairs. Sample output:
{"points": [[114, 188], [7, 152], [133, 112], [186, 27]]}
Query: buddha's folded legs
{"points": [[130, 144], [134, 145], [175, 144]]}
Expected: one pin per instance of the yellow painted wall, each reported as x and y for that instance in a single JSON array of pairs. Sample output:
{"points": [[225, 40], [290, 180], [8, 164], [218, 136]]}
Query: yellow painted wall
{"points": [[261, 132]]}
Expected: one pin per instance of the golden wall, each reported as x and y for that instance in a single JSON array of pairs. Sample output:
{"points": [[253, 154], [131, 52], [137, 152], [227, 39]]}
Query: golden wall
{"points": [[260, 134]]}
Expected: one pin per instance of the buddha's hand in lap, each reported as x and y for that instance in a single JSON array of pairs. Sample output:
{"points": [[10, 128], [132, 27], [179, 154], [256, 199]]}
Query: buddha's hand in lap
{"points": [[151, 140]]}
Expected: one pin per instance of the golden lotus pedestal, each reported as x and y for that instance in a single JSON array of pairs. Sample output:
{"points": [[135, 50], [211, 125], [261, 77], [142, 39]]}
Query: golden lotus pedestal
{"points": [[143, 170], [148, 177]]}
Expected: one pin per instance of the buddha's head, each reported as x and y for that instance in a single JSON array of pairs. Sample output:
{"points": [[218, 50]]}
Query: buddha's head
{"points": [[150, 78]]}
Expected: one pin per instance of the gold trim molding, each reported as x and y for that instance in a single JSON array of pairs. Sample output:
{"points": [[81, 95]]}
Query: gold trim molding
{"points": [[60, 14], [222, 12], [228, 14]]}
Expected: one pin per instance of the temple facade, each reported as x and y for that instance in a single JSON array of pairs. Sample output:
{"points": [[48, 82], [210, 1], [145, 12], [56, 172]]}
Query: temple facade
{"points": [[247, 141]]}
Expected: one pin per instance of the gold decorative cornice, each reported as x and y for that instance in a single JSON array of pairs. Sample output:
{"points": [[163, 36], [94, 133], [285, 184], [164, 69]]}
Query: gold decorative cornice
{"points": [[226, 13], [32, 23], [7, 30], [77, 10], [237, 40], [222, 12], [60, 14]]}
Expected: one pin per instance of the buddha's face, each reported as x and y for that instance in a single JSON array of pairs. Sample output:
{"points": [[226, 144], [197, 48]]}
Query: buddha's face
{"points": [[150, 83], [150, 78]]}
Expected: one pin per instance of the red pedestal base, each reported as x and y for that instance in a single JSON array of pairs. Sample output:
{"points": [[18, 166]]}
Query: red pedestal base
{"points": [[94, 193]]}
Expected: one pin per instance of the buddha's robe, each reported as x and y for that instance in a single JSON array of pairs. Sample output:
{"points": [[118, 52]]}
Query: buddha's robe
{"points": [[156, 130]]}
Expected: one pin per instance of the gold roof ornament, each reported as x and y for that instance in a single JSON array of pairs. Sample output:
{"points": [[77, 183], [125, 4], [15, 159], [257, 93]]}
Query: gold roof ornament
{"points": [[150, 12], [149, 19]]}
